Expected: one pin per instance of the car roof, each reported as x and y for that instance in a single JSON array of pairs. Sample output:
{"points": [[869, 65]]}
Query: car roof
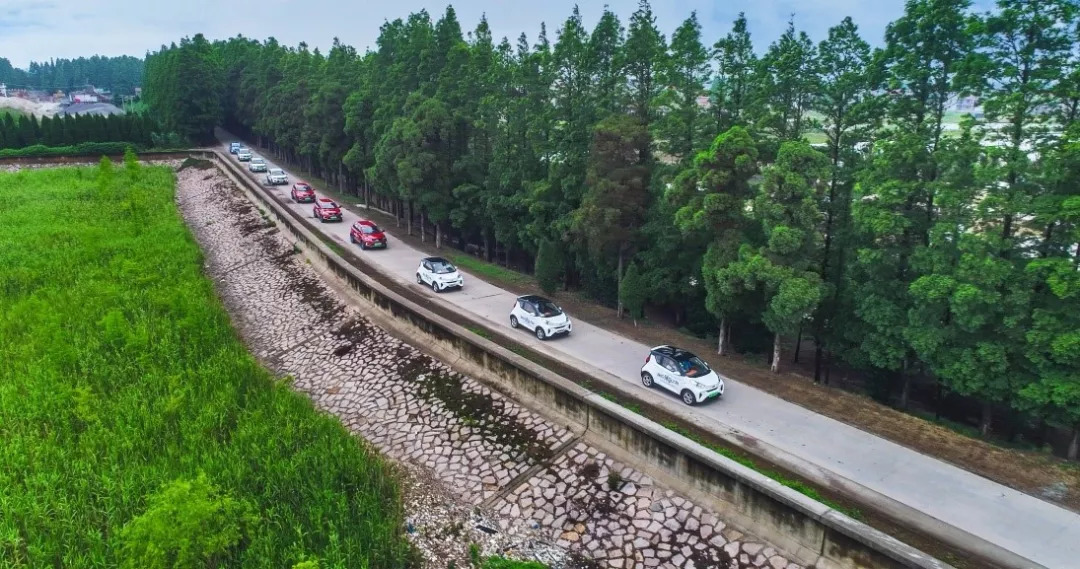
{"points": [[302, 183], [533, 298], [437, 260], [326, 200], [674, 352], [366, 222]]}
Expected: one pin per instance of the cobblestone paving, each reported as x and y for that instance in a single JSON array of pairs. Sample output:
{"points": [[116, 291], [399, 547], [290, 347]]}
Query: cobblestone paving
{"points": [[485, 449]]}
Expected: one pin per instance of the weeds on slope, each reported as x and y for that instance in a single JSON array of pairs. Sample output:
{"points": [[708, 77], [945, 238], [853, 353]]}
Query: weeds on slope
{"points": [[127, 399]]}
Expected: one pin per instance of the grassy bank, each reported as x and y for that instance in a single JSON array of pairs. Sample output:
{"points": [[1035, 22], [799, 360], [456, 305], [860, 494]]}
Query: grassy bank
{"points": [[137, 431]]}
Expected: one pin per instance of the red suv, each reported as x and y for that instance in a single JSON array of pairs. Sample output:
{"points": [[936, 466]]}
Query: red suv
{"points": [[367, 234], [302, 192], [326, 210]]}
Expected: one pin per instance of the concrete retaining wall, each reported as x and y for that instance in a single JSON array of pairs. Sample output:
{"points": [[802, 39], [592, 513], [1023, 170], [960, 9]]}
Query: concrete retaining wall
{"points": [[803, 527]]}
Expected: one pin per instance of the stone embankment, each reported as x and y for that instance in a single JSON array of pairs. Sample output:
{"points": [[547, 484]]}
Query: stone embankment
{"points": [[478, 467]]}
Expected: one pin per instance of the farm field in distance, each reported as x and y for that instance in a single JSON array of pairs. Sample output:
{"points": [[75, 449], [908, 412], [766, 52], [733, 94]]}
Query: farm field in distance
{"points": [[137, 429]]}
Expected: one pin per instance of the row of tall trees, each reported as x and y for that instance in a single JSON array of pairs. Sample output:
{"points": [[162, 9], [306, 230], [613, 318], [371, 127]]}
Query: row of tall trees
{"points": [[27, 130], [118, 74], [906, 247]]}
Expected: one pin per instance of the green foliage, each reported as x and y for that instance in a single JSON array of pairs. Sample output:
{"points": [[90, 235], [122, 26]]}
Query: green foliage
{"points": [[184, 89], [549, 266], [497, 562], [118, 74], [632, 292], [26, 132], [116, 346], [188, 524]]}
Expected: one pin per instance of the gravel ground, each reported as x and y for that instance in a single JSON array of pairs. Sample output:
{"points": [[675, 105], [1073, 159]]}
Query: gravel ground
{"points": [[477, 467]]}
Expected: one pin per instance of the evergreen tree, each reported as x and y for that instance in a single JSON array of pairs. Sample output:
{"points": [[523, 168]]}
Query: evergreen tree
{"points": [[685, 75], [549, 266], [632, 292], [731, 89]]}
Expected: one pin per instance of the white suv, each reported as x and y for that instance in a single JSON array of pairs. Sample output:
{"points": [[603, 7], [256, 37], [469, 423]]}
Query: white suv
{"points": [[439, 274], [681, 372], [276, 177], [540, 315]]}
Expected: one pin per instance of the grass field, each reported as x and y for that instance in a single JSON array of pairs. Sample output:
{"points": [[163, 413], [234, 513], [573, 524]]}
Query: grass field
{"points": [[136, 429]]}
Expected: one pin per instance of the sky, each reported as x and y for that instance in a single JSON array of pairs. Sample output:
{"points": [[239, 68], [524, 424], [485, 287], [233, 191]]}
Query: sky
{"points": [[42, 29]]}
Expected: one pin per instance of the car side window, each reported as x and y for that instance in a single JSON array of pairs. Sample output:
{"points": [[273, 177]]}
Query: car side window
{"points": [[669, 364], [528, 308]]}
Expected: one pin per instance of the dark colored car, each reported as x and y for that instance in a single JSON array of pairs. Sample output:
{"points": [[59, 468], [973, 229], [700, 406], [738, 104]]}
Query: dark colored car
{"points": [[326, 210], [303, 193], [367, 234]]}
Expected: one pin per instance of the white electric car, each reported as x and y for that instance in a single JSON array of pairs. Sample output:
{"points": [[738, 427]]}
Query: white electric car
{"points": [[682, 373], [540, 315], [439, 274]]}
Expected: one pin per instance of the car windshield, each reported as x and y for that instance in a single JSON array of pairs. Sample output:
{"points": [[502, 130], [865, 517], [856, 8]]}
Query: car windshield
{"points": [[442, 267], [328, 205], [369, 229], [691, 365], [257, 161], [303, 187], [548, 309], [276, 172]]}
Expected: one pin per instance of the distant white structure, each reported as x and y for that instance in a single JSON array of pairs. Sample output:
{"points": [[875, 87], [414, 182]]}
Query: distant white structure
{"points": [[3, 90]]}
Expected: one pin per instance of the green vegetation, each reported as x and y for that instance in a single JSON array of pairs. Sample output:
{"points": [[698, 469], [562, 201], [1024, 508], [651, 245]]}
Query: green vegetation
{"points": [[909, 251], [118, 74], [137, 430], [498, 562], [82, 149], [57, 132], [488, 270]]}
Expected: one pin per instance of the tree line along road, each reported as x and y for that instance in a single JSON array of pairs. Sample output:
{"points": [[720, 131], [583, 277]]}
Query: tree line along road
{"points": [[1032, 528]]}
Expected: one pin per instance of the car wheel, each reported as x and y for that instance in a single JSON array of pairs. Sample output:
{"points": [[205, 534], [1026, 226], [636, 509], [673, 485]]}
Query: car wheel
{"points": [[435, 287], [419, 280], [688, 397], [513, 321], [540, 335], [352, 238], [363, 246], [646, 379]]}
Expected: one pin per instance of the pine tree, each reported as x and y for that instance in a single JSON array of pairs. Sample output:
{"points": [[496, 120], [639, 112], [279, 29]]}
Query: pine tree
{"points": [[685, 75], [730, 95], [632, 292], [549, 266]]}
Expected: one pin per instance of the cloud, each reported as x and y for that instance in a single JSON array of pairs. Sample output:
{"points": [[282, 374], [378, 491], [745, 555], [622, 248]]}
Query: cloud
{"points": [[39, 30]]}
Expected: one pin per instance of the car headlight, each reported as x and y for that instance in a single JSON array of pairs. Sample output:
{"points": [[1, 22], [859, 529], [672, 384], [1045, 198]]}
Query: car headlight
{"points": [[700, 385]]}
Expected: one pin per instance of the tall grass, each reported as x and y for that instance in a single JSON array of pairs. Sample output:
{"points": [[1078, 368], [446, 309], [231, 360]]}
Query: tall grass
{"points": [[120, 376]]}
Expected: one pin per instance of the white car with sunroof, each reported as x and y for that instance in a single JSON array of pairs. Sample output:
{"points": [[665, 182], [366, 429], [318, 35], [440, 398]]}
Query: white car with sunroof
{"points": [[681, 373], [540, 315], [439, 274]]}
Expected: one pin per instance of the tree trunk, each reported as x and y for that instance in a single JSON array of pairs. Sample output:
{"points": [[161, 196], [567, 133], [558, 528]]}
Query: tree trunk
{"points": [[487, 245], [819, 352], [409, 217], [423, 230], [775, 367], [987, 417], [905, 389], [438, 236], [828, 366], [721, 343], [1074, 445], [798, 345], [618, 287]]}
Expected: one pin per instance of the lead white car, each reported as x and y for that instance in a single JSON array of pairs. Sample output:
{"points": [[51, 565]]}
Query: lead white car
{"points": [[439, 274], [276, 177], [682, 373], [540, 315]]}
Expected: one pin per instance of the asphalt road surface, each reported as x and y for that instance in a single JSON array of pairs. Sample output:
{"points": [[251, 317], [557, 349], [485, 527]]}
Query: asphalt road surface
{"points": [[1025, 525]]}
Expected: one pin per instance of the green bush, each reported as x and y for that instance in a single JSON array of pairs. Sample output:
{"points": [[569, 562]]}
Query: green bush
{"points": [[504, 563], [81, 149], [122, 381]]}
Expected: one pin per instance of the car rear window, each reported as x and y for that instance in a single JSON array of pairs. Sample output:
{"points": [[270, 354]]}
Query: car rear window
{"points": [[328, 204], [369, 229]]}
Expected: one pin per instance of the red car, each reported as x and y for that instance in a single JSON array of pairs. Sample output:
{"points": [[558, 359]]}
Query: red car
{"points": [[326, 210], [367, 234], [302, 192]]}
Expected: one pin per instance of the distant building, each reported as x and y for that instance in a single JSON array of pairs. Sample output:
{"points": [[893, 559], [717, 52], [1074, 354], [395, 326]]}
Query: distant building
{"points": [[83, 97], [101, 109], [3, 90]]}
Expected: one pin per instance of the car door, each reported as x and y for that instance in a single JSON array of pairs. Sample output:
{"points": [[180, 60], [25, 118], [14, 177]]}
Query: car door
{"points": [[529, 317], [671, 378], [425, 271]]}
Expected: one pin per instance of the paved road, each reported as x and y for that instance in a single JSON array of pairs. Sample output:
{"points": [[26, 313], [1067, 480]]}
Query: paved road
{"points": [[1027, 526]]}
